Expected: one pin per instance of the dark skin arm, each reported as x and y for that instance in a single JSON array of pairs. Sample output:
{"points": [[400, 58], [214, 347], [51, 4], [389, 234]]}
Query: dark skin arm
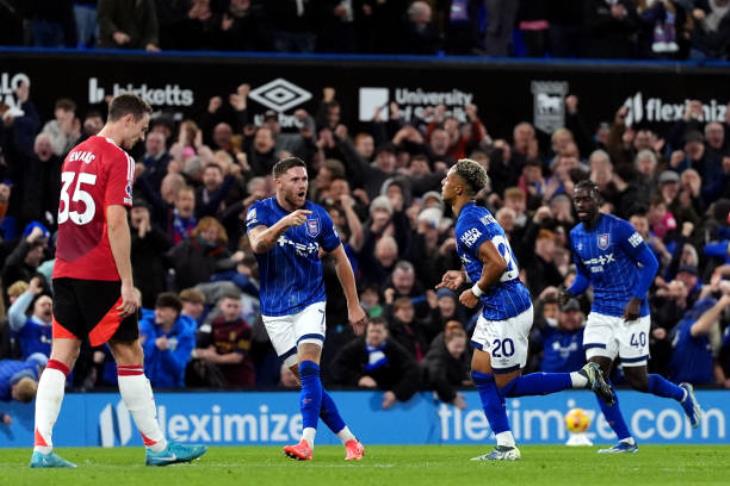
{"points": [[494, 267], [632, 310]]}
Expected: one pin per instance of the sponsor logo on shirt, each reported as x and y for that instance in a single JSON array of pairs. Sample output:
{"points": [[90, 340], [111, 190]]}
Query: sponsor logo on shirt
{"points": [[596, 264], [470, 237], [300, 249]]}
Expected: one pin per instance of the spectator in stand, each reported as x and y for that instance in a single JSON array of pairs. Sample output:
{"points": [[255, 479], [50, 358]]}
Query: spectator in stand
{"points": [[168, 339], [210, 198], [183, 221], [193, 304], [128, 24], [32, 329], [41, 182], [65, 130], [292, 25], [377, 362], [23, 262], [561, 340], [19, 379], [226, 343], [419, 32], [411, 333], [156, 159], [446, 368], [148, 243]]}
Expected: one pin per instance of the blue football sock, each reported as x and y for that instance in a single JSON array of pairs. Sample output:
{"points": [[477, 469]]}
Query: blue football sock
{"points": [[329, 413], [310, 397], [537, 384], [615, 418], [661, 387], [492, 402]]}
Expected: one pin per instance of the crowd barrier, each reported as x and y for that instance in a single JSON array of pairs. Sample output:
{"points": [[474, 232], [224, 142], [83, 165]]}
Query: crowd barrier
{"points": [[272, 418], [506, 92]]}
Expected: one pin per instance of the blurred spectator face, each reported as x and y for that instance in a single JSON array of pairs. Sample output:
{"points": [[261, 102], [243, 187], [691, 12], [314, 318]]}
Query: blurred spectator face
{"points": [[545, 245], [481, 157], [715, 135], [676, 290], [380, 217], [62, 114], [222, 134], [210, 234], [688, 279], [287, 378], [571, 320], [93, 124], [694, 149], [642, 140], [640, 224], [646, 163], [506, 219], [689, 255], [550, 311], [394, 194], [523, 133], [669, 191], [451, 125], [43, 308], [43, 148], [403, 310], [185, 202], [230, 308], [212, 178], [385, 160], [456, 344], [564, 166], [516, 202], [263, 141], [419, 13], [338, 188], [138, 214], [690, 178], [364, 145], [323, 179], [369, 298], [439, 142], [165, 316], [169, 187], [333, 115], [403, 280], [386, 251], [258, 187], [532, 173], [34, 256], [447, 306], [604, 129], [561, 139], [192, 309], [155, 144], [419, 167], [376, 334]]}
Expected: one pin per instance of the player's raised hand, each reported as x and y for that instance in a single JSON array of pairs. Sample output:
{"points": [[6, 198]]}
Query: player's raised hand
{"points": [[468, 299], [297, 218], [453, 279], [130, 301]]}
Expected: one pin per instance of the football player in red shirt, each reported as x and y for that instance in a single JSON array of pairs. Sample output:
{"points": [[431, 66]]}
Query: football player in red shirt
{"points": [[94, 294]]}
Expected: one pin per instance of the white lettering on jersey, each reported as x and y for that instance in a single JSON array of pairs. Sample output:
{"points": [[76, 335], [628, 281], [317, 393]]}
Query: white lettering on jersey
{"points": [[470, 237], [596, 264], [635, 240], [82, 155], [301, 249], [251, 216]]}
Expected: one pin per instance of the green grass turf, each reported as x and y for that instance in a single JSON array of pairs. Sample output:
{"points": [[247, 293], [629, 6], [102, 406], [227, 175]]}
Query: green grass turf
{"points": [[383, 465]]}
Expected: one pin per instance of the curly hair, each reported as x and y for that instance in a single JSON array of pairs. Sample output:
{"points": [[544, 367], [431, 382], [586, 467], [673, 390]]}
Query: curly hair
{"points": [[472, 173]]}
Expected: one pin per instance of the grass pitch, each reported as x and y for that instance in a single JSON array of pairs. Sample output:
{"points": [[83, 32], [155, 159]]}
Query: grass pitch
{"points": [[383, 465]]}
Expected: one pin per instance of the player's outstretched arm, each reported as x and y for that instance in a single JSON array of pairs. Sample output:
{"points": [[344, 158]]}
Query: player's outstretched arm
{"points": [[493, 266], [355, 313], [452, 280], [120, 241], [263, 237]]}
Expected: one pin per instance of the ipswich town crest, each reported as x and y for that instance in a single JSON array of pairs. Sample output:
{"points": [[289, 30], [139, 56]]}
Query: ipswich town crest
{"points": [[603, 241], [313, 227]]}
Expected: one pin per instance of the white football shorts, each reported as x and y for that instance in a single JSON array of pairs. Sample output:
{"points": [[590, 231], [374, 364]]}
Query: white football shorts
{"points": [[505, 341], [288, 332], [611, 336]]}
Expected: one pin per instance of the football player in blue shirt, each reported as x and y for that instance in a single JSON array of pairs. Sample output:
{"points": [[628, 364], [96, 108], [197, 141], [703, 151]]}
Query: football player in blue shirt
{"points": [[501, 335], [287, 234], [612, 257]]}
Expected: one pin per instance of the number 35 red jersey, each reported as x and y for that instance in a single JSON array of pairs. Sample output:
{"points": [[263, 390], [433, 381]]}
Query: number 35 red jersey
{"points": [[96, 174]]}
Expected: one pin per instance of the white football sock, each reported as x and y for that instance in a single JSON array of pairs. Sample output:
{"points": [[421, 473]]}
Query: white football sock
{"points": [[47, 406], [345, 435], [578, 380], [505, 439], [137, 395], [308, 434]]}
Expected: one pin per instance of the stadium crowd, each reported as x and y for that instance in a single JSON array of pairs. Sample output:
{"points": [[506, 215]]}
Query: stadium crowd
{"points": [[644, 29], [198, 278]]}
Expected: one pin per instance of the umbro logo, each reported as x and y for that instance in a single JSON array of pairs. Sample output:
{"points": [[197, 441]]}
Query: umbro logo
{"points": [[280, 95]]}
